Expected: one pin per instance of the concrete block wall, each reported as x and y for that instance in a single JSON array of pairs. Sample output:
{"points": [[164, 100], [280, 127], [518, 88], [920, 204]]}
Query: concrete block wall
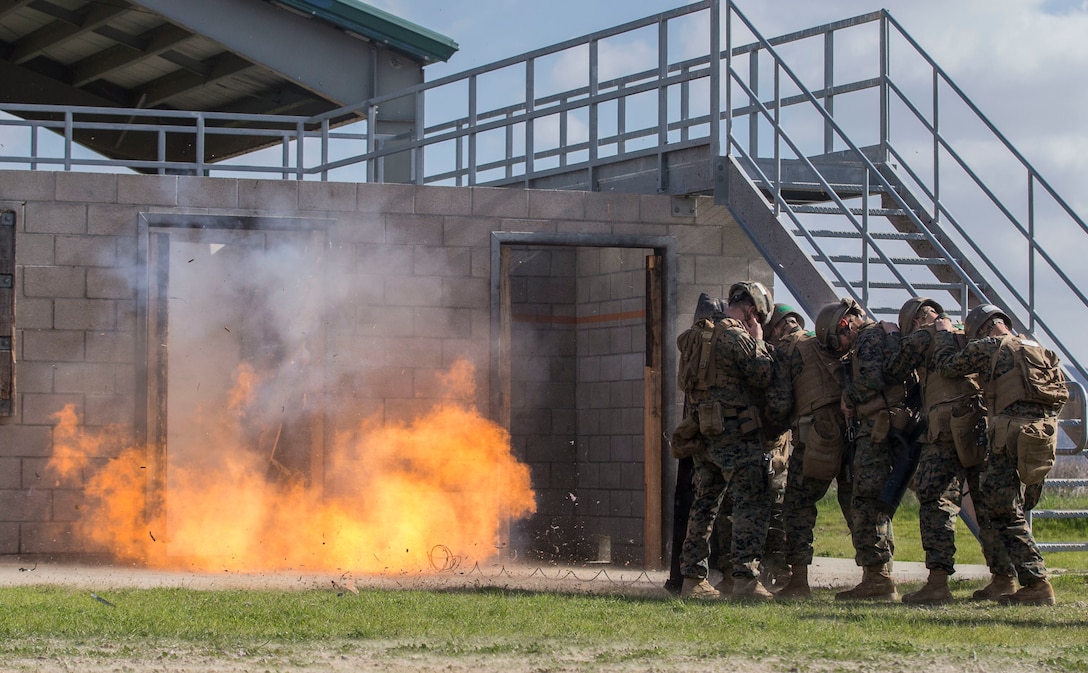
{"points": [[417, 262], [611, 366]]}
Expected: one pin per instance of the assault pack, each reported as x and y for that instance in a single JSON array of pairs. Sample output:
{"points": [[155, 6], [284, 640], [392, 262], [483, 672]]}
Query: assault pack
{"points": [[1035, 377], [696, 367]]}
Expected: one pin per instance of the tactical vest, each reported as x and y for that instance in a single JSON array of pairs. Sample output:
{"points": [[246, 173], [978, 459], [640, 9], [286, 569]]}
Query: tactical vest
{"points": [[893, 394], [937, 389], [817, 385], [727, 377], [1034, 377]]}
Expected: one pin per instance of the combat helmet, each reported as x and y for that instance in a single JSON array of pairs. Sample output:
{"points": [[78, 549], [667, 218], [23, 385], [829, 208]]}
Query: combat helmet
{"points": [[780, 313], [759, 294], [911, 308], [978, 317], [830, 320]]}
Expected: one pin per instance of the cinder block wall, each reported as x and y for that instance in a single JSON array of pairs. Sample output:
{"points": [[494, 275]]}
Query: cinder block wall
{"points": [[418, 261]]}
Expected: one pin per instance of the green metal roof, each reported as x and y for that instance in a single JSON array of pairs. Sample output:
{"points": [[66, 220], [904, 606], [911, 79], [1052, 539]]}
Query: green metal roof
{"points": [[379, 26]]}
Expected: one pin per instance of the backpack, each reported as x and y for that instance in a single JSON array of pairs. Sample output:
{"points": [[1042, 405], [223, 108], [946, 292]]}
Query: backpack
{"points": [[1037, 367], [696, 367]]}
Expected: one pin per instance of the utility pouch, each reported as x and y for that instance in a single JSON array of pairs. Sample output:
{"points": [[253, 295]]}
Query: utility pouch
{"points": [[1036, 448], [749, 420], [824, 448], [711, 423], [686, 440], [964, 423], [882, 424]]}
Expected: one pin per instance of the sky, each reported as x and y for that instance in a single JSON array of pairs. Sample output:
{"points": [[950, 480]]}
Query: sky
{"points": [[1024, 63]]}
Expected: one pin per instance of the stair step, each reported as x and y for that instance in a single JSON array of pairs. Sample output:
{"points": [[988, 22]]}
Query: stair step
{"points": [[1067, 483], [879, 235], [835, 210], [1062, 546], [917, 261], [1059, 514], [889, 285], [839, 187]]}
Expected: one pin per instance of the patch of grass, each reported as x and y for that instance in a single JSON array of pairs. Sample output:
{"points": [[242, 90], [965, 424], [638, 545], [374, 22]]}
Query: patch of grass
{"points": [[832, 537], [50, 621]]}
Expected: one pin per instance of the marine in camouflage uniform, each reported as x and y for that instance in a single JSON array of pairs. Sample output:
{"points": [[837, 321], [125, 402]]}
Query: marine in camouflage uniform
{"points": [[735, 457], [784, 323], [873, 399], [1006, 497], [810, 373], [942, 473]]}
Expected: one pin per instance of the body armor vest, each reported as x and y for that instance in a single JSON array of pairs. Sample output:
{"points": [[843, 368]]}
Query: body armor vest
{"points": [[937, 389], [817, 385], [893, 394], [726, 378]]}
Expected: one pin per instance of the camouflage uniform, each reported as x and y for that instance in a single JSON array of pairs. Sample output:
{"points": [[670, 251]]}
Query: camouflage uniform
{"points": [[940, 477], [801, 352], [1005, 497], [734, 458], [872, 394]]}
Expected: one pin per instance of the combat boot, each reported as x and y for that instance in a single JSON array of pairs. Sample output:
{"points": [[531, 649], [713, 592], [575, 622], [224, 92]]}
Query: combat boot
{"points": [[1000, 585], [876, 585], [934, 592], [797, 588], [725, 584], [698, 588], [1038, 592], [750, 589]]}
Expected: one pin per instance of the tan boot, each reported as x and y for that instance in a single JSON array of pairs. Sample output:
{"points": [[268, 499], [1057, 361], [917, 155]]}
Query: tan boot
{"points": [[698, 588], [1000, 585], [934, 592], [1038, 592], [876, 585], [750, 589], [797, 588], [725, 584]]}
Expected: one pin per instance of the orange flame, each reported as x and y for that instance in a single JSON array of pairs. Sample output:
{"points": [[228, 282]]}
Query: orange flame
{"points": [[396, 497]]}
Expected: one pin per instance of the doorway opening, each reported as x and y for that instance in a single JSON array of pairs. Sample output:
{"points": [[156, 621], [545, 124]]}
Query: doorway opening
{"points": [[234, 367], [578, 379]]}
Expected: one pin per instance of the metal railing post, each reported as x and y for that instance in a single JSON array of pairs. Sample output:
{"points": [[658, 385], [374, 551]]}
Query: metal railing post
{"points": [[716, 80]]}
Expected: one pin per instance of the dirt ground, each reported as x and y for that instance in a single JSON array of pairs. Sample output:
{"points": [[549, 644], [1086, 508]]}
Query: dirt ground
{"points": [[406, 657], [587, 579]]}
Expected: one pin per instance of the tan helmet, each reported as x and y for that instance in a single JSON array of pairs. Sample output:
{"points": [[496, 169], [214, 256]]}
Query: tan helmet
{"points": [[759, 294], [978, 317], [829, 321], [911, 308], [780, 313]]}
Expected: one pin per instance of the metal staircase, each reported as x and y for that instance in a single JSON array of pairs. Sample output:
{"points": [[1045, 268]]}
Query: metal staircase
{"points": [[872, 225]]}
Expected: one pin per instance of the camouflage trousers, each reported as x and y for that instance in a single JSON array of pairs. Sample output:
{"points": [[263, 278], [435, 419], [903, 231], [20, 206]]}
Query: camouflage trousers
{"points": [[799, 506], [871, 527], [1007, 501], [939, 483], [738, 464], [774, 549]]}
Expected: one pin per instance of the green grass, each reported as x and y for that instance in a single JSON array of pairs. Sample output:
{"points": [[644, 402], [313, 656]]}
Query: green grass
{"points": [[495, 629], [286, 628], [833, 537]]}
